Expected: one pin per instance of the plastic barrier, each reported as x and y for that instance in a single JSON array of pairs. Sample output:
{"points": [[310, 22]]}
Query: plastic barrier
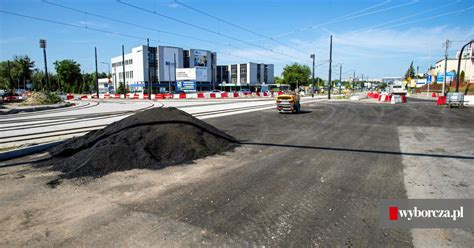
{"points": [[441, 100]]}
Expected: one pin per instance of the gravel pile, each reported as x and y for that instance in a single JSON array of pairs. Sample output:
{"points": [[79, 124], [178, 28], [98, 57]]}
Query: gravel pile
{"points": [[151, 139]]}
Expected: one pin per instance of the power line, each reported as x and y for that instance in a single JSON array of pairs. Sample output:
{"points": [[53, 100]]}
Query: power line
{"points": [[144, 27], [432, 17], [103, 31], [205, 29], [237, 26], [129, 23], [405, 17], [348, 17], [141, 26]]}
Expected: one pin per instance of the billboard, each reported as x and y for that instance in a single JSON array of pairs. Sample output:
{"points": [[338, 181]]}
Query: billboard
{"points": [[201, 74], [192, 74], [185, 74], [200, 58]]}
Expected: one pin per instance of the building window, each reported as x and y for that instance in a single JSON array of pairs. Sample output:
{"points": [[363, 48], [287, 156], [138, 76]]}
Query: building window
{"points": [[259, 75], [233, 74], [265, 73], [243, 73]]}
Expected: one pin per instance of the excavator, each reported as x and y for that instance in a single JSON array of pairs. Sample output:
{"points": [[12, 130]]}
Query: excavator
{"points": [[288, 102]]}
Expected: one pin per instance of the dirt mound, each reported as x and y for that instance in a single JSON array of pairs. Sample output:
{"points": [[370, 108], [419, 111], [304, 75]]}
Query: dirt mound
{"points": [[41, 98], [152, 139]]}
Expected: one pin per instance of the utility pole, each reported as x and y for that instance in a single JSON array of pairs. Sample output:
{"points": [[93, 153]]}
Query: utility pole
{"points": [[340, 77], [150, 83], [313, 56], [96, 73], [169, 77], [353, 80], [174, 66], [43, 45], [446, 46], [124, 89], [330, 72]]}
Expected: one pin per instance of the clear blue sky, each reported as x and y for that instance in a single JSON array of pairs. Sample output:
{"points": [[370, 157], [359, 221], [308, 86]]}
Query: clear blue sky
{"points": [[376, 38]]}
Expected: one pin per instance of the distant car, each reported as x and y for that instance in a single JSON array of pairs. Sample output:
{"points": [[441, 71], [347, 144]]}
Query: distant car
{"points": [[179, 92], [11, 97], [245, 91], [217, 91]]}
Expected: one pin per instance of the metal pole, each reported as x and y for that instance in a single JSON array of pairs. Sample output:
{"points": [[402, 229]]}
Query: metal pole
{"points": [[313, 56], [169, 77], [46, 69], [115, 79], [340, 77], [96, 73], [174, 66], [446, 45], [149, 71], [353, 82], [458, 73], [330, 65], [124, 90]]}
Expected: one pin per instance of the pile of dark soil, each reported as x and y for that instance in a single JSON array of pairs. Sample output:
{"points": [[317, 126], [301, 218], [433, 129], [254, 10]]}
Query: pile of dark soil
{"points": [[151, 139]]}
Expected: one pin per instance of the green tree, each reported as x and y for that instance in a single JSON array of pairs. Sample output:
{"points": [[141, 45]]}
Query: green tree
{"points": [[69, 74], [410, 72], [278, 80], [4, 76], [21, 69], [296, 73]]}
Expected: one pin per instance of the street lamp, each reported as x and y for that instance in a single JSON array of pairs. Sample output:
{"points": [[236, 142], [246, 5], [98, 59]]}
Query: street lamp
{"points": [[43, 45]]}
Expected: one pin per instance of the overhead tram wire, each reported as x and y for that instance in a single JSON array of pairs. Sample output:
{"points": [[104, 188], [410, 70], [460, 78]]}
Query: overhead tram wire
{"points": [[238, 26], [347, 17], [207, 29], [145, 27], [337, 18], [402, 18], [102, 31]]}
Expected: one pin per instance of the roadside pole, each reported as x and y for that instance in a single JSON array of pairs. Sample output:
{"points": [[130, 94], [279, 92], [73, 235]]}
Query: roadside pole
{"points": [[330, 64], [353, 82], [43, 45], [340, 77], [150, 86], [446, 45], [96, 73], [123, 71], [174, 66], [313, 56]]}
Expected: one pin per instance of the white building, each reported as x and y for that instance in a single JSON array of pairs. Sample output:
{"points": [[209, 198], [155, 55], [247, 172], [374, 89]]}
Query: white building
{"points": [[157, 68], [248, 74]]}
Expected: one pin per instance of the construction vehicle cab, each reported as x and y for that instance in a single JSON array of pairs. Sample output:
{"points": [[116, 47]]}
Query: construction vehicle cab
{"points": [[288, 102]]}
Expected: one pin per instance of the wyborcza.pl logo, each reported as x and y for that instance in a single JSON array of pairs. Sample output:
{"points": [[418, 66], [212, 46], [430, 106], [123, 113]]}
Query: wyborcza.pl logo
{"points": [[427, 213]]}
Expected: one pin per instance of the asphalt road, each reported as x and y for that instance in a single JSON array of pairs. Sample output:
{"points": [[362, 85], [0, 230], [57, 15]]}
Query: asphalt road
{"points": [[313, 179], [30, 128]]}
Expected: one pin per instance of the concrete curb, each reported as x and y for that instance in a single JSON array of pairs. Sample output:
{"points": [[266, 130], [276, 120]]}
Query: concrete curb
{"points": [[35, 109], [4, 156]]}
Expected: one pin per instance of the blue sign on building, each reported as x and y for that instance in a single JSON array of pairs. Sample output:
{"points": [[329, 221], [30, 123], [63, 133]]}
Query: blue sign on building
{"points": [[186, 86], [450, 76]]}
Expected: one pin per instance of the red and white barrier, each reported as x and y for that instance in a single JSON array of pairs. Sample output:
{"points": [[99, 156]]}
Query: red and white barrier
{"points": [[205, 95]]}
